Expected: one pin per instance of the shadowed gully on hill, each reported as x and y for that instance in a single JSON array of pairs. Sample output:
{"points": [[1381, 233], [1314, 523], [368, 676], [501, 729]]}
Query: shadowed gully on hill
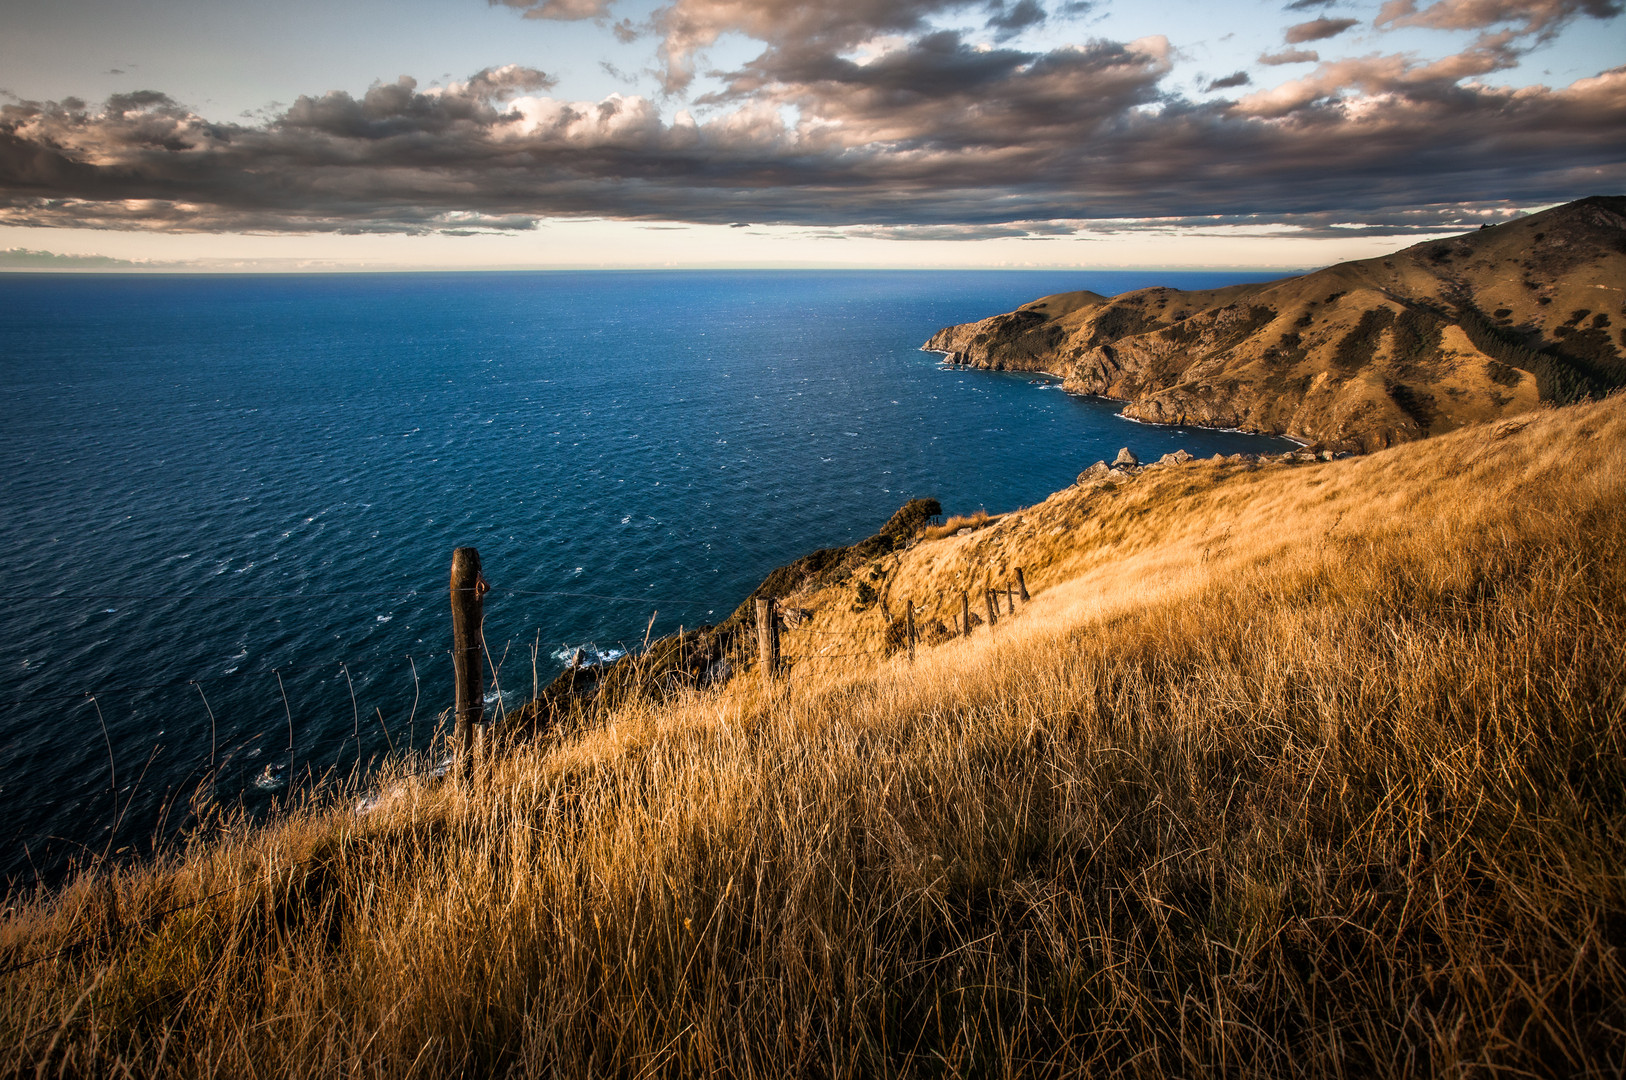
{"points": [[1287, 769]]}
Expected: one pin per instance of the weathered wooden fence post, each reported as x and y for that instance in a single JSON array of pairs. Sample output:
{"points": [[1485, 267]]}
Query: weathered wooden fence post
{"points": [[993, 607], [468, 664], [1021, 585], [1010, 599], [965, 614], [909, 629], [768, 637]]}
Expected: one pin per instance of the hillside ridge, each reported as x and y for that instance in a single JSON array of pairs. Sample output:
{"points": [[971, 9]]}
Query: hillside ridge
{"points": [[1356, 356], [1289, 741]]}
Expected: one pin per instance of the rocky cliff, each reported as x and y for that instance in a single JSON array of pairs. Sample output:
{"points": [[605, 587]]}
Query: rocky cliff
{"points": [[1356, 356]]}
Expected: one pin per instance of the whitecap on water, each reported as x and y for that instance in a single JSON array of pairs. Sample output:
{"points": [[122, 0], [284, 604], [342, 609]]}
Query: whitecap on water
{"points": [[385, 618], [272, 777], [591, 654]]}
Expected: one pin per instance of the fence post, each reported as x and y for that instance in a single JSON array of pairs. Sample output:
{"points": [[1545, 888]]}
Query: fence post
{"points": [[965, 614], [768, 636], [1010, 599], [993, 607], [1021, 585], [909, 628], [468, 665]]}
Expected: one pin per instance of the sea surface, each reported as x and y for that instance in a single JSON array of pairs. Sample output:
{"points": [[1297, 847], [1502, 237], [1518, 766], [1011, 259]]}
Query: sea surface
{"points": [[228, 503]]}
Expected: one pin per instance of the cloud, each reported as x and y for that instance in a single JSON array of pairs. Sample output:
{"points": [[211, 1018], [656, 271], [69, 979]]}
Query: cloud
{"points": [[1023, 230], [1290, 56], [1316, 30], [1424, 221], [564, 10], [1376, 75], [789, 28], [1539, 17], [1010, 21], [940, 132], [1239, 78], [1309, 5], [27, 259]]}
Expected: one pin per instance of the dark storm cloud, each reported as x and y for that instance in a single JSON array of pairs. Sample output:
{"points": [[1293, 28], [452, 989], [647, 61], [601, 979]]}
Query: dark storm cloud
{"points": [[1008, 21], [1316, 30], [1239, 78], [938, 138], [788, 27]]}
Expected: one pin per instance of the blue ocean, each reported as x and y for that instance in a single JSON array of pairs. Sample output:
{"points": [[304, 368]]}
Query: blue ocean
{"points": [[230, 502]]}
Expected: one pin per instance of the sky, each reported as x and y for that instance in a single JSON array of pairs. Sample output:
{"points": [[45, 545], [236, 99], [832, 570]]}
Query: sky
{"points": [[467, 134]]}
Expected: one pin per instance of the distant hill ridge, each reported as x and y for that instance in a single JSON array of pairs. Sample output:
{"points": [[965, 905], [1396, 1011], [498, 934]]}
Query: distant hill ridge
{"points": [[1356, 356]]}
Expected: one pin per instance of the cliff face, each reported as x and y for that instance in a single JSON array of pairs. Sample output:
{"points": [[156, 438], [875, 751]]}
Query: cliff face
{"points": [[1357, 356]]}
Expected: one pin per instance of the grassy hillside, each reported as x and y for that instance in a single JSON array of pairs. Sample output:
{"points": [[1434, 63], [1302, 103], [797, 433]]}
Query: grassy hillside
{"points": [[1310, 770], [1360, 355]]}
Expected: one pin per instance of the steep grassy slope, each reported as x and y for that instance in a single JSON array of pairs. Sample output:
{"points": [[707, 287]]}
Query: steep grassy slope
{"points": [[1360, 355], [1311, 771]]}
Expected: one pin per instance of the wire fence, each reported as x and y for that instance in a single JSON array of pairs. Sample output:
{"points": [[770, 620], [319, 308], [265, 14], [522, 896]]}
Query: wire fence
{"points": [[262, 726]]}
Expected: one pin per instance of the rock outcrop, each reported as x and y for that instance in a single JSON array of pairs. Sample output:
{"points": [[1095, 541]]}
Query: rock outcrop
{"points": [[1356, 356]]}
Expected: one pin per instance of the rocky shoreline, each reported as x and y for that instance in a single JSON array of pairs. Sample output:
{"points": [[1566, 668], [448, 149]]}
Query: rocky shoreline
{"points": [[1354, 357]]}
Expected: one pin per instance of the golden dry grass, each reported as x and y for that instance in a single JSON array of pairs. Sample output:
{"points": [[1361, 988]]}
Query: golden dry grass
{"points": [[954, 524], [1310, 771]]}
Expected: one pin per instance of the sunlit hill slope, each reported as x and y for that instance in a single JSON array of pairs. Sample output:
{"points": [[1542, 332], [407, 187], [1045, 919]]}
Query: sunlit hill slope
{"points": [[1293, 768], [1357, 356]]}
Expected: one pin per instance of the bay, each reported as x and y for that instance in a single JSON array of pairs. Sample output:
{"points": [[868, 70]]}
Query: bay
{"points": [[229, 502]]}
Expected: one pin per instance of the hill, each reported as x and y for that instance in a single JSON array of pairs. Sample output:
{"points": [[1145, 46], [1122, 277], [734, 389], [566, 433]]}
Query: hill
{"points": [[1287, 768], [1357, 356]]}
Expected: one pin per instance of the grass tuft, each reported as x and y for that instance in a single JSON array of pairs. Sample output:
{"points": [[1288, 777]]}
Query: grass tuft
{"points": [[956, 523]]}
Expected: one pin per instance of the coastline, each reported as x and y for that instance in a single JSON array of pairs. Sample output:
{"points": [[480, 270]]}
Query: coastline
{"points": [[1062, 379]]}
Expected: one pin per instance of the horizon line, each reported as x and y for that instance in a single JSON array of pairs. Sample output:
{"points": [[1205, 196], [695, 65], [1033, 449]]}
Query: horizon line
{"points": [[193, 271]]}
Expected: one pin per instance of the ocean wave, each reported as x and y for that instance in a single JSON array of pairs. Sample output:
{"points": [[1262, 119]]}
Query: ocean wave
{"points": [[272, 777], [591, 654]]}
